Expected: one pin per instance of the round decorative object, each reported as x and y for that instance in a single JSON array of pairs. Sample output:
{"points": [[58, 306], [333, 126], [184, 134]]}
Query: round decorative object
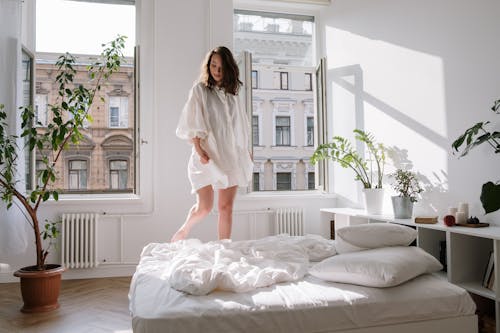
{"points": [[449, 220]]}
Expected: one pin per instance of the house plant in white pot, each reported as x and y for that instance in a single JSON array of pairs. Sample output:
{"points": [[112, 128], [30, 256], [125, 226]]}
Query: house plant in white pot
{"points": [[407, 186], [369, 171], [40, 283]]}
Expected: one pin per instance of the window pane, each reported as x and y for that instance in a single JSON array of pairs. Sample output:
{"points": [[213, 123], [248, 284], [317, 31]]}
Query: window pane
{"points": [[282, 131], [254, 80], [281, 45], [310, 181], [255, 130], [283, 181], [310, 131], [112, 132], [256, 179]]}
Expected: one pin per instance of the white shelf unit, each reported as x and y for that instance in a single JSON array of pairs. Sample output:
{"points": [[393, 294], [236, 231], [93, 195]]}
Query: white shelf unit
{"points": [[467, 249]]}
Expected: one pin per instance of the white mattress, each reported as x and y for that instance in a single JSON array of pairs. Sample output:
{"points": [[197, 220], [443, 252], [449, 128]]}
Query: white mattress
{"points": [[309, 305]]}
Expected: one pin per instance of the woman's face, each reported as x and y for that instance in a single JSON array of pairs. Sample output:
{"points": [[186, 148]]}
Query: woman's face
{"points": [[216, 68]]}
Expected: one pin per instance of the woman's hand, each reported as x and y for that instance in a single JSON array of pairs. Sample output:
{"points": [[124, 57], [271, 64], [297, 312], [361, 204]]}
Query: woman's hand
{"points": [[202, 153]]}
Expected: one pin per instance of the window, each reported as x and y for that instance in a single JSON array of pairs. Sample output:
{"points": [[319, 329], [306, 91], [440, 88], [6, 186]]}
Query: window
{"points": [[255, 81], [283, 131], [255, 130], [256, 181], [283, 181], [77, 171], [310, 131], [39, 167], [310, 181], [41, 109], [118, 112], [308, 81], [118, 174], [88, 167], [281, 80], [281, 47]]}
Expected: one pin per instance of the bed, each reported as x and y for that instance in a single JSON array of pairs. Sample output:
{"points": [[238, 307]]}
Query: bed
{"points": [[303, 303]]}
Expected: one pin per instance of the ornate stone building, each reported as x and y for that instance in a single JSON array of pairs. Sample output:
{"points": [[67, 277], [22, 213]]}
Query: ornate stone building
{"points": [[282, 89], [104, 160]]}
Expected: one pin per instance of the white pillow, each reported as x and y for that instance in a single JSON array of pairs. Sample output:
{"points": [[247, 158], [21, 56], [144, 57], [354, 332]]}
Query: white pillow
{"points": [[383, 267], [373, 235]]}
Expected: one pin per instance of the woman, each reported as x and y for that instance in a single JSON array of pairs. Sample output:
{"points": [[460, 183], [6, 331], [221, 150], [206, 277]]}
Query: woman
{"points": [[214, 121]]}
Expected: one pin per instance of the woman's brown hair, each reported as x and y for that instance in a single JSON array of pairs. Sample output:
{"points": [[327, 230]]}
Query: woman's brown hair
{"points": [[230, 79]]}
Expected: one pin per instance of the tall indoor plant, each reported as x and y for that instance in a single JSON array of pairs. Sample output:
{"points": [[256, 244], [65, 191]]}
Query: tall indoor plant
{"points": [[407, 187], [369, 171], [68, 117], [473, 137]]}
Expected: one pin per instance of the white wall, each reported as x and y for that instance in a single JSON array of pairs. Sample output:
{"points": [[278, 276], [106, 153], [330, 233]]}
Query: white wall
{"points": [[416, 75], [174, 36]]}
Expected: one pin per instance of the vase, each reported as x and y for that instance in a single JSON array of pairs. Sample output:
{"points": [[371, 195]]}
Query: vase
{"points": [[40, 289], [402, 207], [374, 200]]}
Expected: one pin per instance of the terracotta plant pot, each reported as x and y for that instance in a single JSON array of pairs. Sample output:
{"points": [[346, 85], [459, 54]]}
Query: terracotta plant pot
{"points": [[40, 289]]}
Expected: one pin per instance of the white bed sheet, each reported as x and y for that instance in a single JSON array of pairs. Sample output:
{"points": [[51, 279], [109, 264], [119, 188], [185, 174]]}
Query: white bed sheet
{"points": [[308, 305]]}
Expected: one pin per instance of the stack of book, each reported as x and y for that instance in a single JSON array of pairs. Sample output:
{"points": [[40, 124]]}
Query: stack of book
{"points": [[489, 274]]}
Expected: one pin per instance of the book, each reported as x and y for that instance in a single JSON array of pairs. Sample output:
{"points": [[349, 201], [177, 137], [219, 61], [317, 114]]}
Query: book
{"points": [[426, 219], [491, 282], [488, 271]]}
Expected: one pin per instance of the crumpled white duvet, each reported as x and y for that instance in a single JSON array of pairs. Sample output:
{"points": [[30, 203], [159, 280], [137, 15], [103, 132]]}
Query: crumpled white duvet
{"points": [[198, 268]]}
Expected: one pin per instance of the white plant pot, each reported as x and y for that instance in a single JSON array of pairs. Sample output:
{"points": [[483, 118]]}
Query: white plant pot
{"points": [[374, 200]]}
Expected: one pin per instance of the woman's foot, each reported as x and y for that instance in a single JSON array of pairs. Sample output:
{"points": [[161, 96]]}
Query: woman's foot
{"points": [[179, 235]]}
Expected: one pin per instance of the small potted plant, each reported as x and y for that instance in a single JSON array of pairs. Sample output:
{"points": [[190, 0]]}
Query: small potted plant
{"points": [[341, 150], [40, 283], [407, 186]]}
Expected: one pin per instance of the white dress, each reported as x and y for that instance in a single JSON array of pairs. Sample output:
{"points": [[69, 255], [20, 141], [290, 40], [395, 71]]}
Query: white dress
{"points": [[220, 121]]}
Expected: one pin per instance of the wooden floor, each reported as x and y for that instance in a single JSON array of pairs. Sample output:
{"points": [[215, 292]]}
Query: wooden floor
{"points": [[87, 306]]}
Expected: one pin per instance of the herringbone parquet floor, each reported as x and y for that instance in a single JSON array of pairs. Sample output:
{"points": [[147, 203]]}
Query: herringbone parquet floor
{"points": [[87, 306]]}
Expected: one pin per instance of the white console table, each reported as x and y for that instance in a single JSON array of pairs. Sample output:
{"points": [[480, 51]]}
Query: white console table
{"points": [[467, 249]]}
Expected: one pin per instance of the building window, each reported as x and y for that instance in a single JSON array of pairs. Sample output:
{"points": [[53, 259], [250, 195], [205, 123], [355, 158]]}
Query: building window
{"points": [[281, 80], [41, 110], [283, 131], [283, 181], [255, 81], [118, 174], [77, 170], [118, 112], [308, 81], [256, 181], [310, 131], [39, 167], [310, 181], [114, 108], [255, 130]]}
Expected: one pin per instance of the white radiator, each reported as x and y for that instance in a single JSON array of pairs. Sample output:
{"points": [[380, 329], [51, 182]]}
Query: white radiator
{"points": [[289, 221], [79, 240]]}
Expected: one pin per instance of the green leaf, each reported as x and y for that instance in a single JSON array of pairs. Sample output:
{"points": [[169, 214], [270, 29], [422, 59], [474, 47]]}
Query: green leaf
{"points": [[490, 197]]}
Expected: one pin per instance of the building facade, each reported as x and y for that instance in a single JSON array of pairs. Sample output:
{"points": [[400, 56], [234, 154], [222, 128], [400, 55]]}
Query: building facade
{"points": [[282, 98], [104, 160]]}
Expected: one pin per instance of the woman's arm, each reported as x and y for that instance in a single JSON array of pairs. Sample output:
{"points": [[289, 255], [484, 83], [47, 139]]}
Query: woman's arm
{"points": [[203, 154]]}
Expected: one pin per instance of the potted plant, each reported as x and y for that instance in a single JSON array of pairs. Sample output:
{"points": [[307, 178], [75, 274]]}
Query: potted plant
{"points": [[407, 187], [340, 150], [473, 137], [40, 283]]}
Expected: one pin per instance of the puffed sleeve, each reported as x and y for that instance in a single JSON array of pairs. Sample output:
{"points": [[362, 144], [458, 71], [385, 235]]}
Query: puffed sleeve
{"points": [[193, 122]]}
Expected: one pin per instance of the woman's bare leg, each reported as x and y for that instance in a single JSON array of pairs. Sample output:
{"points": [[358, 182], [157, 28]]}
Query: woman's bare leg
{"points": [[203, 206], [225, 206]]}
